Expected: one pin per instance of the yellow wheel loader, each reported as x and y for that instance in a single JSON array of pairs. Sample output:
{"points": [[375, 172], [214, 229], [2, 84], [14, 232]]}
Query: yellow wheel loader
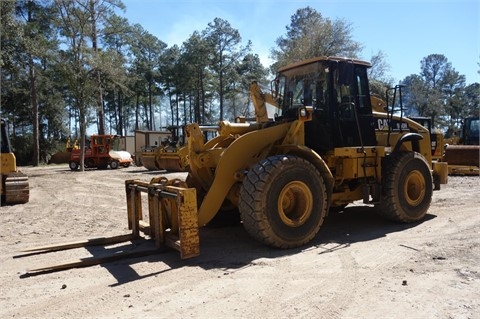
{"points": [[168, 156], [463, 152], [460, 152], [172, 155], [325, 148], [14, 186]]}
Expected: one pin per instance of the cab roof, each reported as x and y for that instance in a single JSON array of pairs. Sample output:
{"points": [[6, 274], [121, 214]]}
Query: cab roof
{"points": [[324, 58]]}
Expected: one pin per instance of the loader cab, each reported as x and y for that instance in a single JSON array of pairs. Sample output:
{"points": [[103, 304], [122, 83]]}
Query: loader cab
{"points": [[470, 131], [338, 91], [5, 143]]}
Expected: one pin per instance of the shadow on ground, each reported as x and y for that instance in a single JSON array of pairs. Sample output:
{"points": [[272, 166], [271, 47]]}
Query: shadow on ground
{"points": [[231, 248]]}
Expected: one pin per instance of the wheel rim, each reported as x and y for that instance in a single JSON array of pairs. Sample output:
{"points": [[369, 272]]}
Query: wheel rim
{"points": [[295, 204], [414, 188]]}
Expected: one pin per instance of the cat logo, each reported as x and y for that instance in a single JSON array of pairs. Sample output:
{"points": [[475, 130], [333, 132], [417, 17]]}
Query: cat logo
{"points": [[384, 124]]}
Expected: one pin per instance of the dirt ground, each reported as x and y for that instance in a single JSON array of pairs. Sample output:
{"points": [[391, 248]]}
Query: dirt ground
{"points": [[359, 265]]}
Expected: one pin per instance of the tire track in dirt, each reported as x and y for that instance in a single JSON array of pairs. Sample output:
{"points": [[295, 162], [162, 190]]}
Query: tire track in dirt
{"points": [[354, 270]]}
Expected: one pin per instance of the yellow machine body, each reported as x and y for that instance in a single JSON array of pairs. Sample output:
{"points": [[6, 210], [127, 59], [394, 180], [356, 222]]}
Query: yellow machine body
{"points": [[219, 167], [14, 187], [330, 145]]}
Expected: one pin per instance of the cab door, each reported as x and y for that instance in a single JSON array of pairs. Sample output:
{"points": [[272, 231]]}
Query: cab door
{"points": [[351, 104]]}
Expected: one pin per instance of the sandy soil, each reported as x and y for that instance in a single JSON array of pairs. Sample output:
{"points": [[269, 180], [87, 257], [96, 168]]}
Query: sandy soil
{"points": [[359, 266]]}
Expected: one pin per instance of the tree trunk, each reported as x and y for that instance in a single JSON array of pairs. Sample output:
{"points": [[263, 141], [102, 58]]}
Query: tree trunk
{"points": [[220, 91], [100, 111], [137, 110], [196, 105], [120, 114], [150, 107], [83, 133], [34, 103]]}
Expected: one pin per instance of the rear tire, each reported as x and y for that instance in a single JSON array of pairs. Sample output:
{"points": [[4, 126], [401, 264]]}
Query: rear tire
{"points": [[89, 163], [283, 201], [114, 164], [73, 166], [407, 187]]}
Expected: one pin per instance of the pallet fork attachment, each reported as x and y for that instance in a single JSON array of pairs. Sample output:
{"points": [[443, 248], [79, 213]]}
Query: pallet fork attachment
{"points": [[172, 222], [172, 212]]}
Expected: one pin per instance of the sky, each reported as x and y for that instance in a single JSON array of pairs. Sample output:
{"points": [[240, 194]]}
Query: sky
{"points": [[405, 31]]}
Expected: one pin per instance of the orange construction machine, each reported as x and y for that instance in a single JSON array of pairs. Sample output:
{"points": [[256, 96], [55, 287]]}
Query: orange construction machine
{"points": [[102, 152]]}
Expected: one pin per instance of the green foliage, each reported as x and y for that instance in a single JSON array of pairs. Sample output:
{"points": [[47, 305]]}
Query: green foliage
{"points": [[472, 99], [224, 42], [22, 147], [440, 92], [11, 37], [86, 65], [310, 35]]}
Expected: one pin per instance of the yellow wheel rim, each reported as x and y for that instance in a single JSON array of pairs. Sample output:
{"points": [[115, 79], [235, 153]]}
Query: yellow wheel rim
{"points": [[414, 188], [295, 204]]}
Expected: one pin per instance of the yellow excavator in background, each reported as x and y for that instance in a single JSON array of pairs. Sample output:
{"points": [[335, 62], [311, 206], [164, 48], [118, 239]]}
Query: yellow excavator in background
{"points": [[63, 157], [14, 186]]}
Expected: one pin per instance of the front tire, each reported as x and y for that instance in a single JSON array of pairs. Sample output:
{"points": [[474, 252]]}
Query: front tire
{"points": [[73, 166], [283, 201], [407, 188]]}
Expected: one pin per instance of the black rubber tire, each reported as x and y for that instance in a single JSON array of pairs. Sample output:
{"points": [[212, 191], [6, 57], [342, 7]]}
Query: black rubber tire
{"points": [[407, 188], [89, 163], [73, 166], [272, 221], [114, 164], [436, 183]]}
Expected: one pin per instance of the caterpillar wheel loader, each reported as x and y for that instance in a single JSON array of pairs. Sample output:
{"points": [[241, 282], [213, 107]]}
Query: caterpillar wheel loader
{"points": [[14, 186], [325, 149]]}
